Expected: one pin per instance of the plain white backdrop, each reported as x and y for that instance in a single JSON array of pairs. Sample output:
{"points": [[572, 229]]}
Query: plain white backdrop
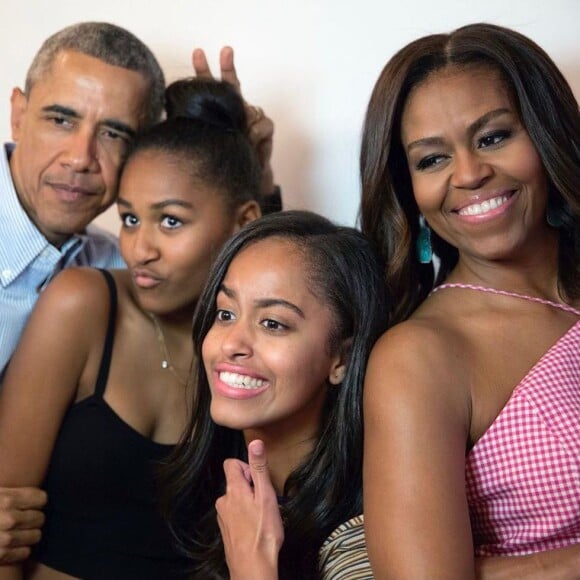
{"points": [[311, 64]]}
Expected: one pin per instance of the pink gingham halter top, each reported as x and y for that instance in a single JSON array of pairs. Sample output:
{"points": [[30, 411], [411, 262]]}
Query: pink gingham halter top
{"points": [[523, 475]]}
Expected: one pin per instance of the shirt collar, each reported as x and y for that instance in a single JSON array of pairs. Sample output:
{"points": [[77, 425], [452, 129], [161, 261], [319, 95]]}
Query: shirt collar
{"points": [[20, 240]]}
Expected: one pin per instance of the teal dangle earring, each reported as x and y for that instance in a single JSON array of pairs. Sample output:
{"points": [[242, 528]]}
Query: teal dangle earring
{"points": [[424, 249]]}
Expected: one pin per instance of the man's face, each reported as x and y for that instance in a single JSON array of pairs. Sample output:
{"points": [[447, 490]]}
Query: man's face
{"points": [[71, 133]]}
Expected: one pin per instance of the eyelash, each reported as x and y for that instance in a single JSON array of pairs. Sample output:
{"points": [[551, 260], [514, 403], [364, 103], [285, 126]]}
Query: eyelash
{"points": [[496, 138], [129, 220], [60, 120], [170, 218], [112, 134], [219, 315], [224, 315], [428, 162], [276, 326]]}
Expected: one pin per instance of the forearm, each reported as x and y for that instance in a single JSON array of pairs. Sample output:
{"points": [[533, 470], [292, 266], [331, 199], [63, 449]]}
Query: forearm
{"points": [[562, 564]]}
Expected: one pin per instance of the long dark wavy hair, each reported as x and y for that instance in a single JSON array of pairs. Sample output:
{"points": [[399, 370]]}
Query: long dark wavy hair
{"points": [[326, 489], [548, 109]]}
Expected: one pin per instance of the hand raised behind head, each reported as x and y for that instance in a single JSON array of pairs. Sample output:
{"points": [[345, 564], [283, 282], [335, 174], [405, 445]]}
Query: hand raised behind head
{"points": [[260, 126]]}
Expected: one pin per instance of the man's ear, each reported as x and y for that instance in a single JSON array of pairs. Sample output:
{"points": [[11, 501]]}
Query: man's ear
{"points": [[340, 363], [246, 213], [18, 103]]}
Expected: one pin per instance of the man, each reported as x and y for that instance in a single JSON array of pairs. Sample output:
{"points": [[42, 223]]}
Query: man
{"points": [[90, 89]]}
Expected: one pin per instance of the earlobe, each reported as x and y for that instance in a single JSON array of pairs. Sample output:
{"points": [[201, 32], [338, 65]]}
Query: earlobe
{"points": [[18, 103], [338, 369], [337, 375], [246, 213]]}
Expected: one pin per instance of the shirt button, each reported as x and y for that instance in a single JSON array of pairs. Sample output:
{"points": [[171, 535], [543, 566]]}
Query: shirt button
{"points": [[6, 273]]}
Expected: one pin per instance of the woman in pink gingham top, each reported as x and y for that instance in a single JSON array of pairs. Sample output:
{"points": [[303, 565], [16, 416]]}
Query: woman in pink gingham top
{"points": [[471, 152]]}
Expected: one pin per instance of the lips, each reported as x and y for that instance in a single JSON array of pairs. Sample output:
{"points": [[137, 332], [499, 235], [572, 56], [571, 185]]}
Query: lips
{"points": [[234, 382], [485, 206], [69, 192], [145, 278]]}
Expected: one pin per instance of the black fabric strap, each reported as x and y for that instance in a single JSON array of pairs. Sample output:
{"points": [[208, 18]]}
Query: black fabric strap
{"points": [[103, 375]]}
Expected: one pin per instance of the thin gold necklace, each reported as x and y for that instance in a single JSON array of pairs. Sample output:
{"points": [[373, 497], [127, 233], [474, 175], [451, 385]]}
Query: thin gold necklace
{"points": [[166, 363]]}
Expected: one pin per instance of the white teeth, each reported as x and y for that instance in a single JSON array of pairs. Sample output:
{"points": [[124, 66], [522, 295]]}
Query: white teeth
{"points": [[484, 206], [238, 381]]}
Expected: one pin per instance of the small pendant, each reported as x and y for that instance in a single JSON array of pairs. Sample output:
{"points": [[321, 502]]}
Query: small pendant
{"points": [[164, 364]]}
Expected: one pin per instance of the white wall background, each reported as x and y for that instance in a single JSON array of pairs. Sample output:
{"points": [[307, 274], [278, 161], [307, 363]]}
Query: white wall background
{"points": [[310, 64]]}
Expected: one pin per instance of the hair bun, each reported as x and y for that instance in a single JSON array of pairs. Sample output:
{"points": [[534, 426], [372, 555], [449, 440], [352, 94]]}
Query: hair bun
{"points": [[211, 102]]}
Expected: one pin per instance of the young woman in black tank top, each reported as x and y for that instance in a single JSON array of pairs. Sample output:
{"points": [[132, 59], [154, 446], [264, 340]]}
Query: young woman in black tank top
{"points": [[98, 393]]}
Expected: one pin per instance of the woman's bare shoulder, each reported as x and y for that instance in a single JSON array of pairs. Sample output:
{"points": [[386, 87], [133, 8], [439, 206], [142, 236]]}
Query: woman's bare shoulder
{"points": [[81, 290], [425, 358]]}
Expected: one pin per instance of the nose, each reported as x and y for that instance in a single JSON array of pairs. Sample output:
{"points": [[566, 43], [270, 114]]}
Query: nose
{"points": [[470, 170], [237, 340], [81, 151], [145, 248]]}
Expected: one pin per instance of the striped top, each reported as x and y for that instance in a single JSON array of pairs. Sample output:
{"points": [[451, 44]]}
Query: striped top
{"points": [[523, 475], [28, 261], [343, 556]]}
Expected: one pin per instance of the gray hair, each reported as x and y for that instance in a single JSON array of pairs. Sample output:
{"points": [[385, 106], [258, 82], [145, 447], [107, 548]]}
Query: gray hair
{"points": [[111, 44]]}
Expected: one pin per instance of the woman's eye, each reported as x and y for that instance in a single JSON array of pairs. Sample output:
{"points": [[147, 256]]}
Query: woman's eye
{"points": [[171, 222], [429, 162], [224, 315], [129, 220], [492, 139], [271, 324]]}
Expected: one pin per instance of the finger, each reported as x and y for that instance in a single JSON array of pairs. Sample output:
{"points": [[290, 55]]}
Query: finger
{"points": [[261, 138], [228, 69], [13, 555], [19, 538], [237, 475], [200, 64], [259, 469], [21, 519], [22, 498]]}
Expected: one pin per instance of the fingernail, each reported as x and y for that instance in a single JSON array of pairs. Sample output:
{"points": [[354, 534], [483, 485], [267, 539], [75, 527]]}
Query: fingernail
{"points": [[257, 447]]}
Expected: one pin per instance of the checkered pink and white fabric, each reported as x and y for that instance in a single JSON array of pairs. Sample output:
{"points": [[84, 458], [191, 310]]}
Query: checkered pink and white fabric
{"points": [[523, 475]]}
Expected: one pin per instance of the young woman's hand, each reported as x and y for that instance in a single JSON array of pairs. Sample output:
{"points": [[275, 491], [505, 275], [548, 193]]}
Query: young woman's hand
{"points": [[249, 518]]}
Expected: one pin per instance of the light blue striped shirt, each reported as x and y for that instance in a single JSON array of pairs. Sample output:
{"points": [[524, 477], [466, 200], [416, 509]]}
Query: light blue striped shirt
{"points": [[28, 261]]}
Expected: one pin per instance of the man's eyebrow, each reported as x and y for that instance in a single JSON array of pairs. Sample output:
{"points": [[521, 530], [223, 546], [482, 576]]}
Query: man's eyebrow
{"points": [[61, 110], [265, 302], [114, 124]]}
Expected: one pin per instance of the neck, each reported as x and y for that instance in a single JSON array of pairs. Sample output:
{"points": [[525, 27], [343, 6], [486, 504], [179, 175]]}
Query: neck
{"points": [[536, 273], [284, 454], [175, 344]]}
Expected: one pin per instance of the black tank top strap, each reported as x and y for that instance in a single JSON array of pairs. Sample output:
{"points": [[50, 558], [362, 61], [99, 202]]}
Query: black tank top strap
{"points": [[103, 375]]}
